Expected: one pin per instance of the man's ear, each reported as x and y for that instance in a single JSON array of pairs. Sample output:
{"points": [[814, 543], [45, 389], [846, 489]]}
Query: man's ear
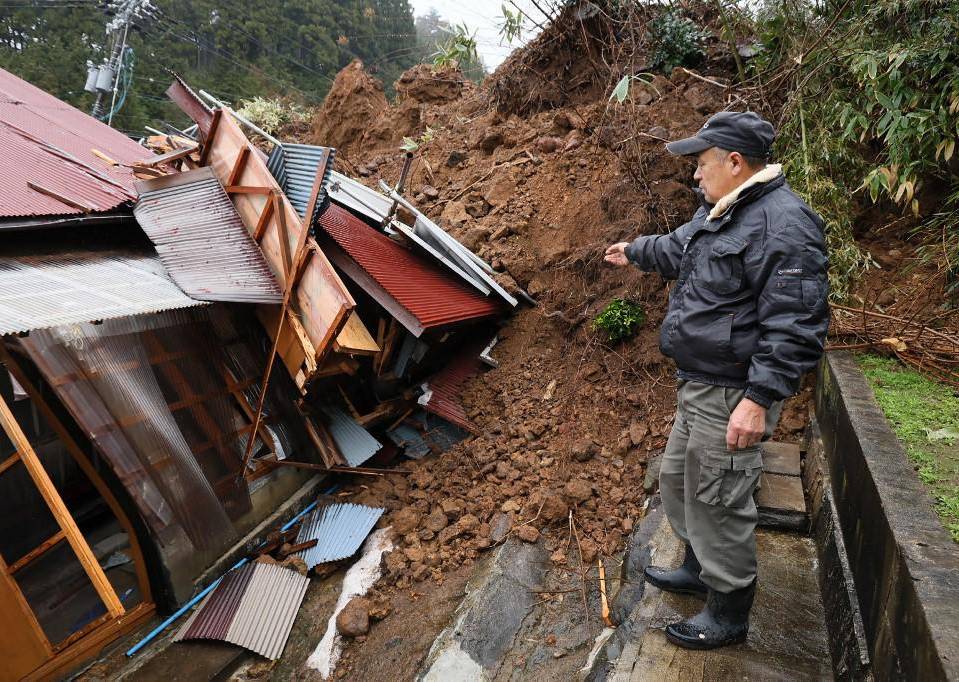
{"points": [[738, 162]]}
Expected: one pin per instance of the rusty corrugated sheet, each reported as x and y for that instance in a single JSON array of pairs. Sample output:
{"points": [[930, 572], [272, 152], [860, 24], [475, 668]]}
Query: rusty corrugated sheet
{"points": [[38, 292], [417, 285], [443, 396], [202, 241], [49, 143], [253, 607], [353, 441], [183, 96], [340, 530]]}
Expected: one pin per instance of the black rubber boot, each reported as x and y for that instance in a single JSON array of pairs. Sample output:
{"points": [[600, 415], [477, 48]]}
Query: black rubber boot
{"points": [[684, 580], [724, 621]]}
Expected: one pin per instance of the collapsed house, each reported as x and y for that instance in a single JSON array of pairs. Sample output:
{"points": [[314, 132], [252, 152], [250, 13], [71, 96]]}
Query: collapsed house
{"points": [[144, 301]]}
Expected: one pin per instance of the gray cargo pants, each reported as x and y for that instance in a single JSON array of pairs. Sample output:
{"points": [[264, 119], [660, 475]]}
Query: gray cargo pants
{"points": [[707, 490]]}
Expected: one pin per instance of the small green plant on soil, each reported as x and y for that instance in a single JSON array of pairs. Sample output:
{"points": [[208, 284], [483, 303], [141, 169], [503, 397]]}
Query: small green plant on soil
{"points": [[620, 320], [925, 417], [676, 40], [458, 50]]}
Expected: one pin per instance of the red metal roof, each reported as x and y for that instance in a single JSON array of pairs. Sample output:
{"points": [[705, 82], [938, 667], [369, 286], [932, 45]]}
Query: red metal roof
{"points": [[49, 143], [432, 296]]}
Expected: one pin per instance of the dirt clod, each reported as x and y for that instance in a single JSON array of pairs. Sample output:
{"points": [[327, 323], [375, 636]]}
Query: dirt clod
{"points": [[354, 619]]}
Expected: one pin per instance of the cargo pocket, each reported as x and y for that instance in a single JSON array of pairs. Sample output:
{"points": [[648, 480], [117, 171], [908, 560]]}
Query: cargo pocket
{"points": [[727, 478]]}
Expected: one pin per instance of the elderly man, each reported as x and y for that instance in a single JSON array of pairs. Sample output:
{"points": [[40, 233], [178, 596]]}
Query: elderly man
{"points": [[747, 317]]}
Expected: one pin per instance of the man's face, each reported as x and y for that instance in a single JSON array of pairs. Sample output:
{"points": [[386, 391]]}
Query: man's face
{"points": [[717, 173]]}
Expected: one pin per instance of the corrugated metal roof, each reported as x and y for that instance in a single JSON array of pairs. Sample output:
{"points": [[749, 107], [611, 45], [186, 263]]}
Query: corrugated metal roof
{"points": [[429, 294], [49, 143], [37, 292], [340, 530], [440, 245], [353, 441], [253, 607], [443, 396], [294, 166], [202, 241]]}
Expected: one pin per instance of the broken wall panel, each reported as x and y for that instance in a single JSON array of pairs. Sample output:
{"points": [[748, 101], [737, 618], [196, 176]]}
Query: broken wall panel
{"points": [[339, 530], [320, 301], [201, 240], [253, 607]]}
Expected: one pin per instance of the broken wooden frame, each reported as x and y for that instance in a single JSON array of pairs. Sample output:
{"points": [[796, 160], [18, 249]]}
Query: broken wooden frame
{"points": [[319, 304], [27, 651]]}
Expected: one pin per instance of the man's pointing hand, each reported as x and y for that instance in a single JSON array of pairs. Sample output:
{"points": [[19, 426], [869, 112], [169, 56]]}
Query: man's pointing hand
{"points": [[616, 254]]}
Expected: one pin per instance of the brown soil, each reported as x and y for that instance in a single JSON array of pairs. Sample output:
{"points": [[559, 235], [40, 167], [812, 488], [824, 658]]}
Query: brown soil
{"points": [[567, 422]]}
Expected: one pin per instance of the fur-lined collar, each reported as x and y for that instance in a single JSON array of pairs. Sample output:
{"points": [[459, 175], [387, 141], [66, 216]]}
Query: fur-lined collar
{"points": [[770, 172]]}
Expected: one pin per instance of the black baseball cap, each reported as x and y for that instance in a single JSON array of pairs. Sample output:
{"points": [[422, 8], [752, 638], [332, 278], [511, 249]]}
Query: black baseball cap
{"points": [[743, 132]]}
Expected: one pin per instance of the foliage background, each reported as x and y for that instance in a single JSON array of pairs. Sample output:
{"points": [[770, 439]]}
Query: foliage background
{"points": [[234, 50]]}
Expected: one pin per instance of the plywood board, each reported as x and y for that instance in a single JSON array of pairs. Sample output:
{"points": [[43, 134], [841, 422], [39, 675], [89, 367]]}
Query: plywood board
{"points": [[320, 300], [355, 339]]}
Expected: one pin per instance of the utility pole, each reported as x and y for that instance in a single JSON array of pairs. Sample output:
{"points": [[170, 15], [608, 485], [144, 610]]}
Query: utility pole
{"points": [[105, 79]]}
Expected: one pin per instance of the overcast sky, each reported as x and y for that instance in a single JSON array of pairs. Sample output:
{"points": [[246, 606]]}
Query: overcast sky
{"points": [[484, 17]]}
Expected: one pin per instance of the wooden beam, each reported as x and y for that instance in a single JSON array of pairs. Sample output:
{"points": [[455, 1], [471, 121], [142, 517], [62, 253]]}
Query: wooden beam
{"points": [[90, 645], [59, 510], [38, 551], [214, 126], [238, 167], [289, 276], [9, 462], [263, 221], [248, 189], [63, 199], [170, 156], [355, 338]]}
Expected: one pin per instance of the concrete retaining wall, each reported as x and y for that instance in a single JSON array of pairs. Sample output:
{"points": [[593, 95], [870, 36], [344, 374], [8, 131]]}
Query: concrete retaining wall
{"points": [[904, 564]]}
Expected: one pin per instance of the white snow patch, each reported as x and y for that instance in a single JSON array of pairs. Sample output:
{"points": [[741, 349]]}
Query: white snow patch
{"points": [[455, 665], [357, 581]]}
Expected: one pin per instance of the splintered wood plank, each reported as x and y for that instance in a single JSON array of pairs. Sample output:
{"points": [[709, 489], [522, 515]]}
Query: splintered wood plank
{"points": [[355, 338], [320, 299], [781, 458], [289, 349], [781, 502]]}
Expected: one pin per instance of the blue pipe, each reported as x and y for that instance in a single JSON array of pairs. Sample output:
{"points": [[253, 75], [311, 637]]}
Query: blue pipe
{"points": [[209, 588]]}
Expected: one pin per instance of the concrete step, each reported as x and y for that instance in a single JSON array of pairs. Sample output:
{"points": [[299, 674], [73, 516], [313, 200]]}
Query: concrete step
{"points": [[780, 499]]}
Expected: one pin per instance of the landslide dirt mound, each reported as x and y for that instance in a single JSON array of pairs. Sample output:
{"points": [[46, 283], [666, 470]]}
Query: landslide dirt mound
{"points": [[355, 100], [568, 422]]}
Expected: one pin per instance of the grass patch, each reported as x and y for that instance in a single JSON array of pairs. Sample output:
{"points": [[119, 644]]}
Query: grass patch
{"points": [[925, 416]]}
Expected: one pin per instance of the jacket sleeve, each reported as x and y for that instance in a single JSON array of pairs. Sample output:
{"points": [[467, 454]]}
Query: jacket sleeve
{"points": [[792, 291], [660, 253]]}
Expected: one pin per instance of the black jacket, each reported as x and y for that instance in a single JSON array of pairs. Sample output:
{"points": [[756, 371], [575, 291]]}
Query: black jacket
{"points": [[749, 307]]}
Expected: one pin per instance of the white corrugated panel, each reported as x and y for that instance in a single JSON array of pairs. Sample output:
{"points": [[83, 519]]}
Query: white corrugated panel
{"points": [[39, 292]]}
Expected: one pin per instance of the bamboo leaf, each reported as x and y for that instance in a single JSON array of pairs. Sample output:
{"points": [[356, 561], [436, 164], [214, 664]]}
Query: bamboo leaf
{"points": [[621, 91]]}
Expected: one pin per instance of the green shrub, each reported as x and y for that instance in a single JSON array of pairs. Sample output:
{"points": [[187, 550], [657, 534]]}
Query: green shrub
{"points": [[676, 41], [620, 320], [271, 114]]}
